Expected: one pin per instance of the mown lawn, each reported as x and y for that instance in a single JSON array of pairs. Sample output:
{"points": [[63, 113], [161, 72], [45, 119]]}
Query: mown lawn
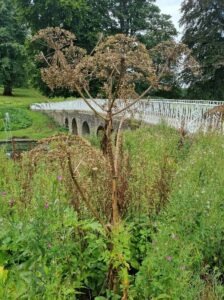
{"points": [[42, 126]]}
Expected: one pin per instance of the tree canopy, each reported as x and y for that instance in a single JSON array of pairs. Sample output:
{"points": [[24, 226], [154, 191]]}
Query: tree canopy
{"points": [[204, 33], [142, 18], [12, 50], [89, 18], [85, 17], [41, 14]]}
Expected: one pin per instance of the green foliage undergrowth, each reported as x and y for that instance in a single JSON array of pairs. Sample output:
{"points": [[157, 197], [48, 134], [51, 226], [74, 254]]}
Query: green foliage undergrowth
{"points": [[168, 246], [186, 253]]}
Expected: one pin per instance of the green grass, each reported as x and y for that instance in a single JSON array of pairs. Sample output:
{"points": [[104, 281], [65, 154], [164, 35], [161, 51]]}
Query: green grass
{"points": [[42, 126]]}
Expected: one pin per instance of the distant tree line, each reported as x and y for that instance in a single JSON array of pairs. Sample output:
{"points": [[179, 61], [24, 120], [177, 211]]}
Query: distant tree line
{"points": [[203, 22], [90, 20]]}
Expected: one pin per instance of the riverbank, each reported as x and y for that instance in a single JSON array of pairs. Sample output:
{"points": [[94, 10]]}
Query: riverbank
{"points": [[40, 125]]}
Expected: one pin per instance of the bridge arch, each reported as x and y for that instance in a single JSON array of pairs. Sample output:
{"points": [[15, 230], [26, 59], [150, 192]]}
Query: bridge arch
{"points": [[74, 127], [100, 131], [85, 128], [66, 123]]}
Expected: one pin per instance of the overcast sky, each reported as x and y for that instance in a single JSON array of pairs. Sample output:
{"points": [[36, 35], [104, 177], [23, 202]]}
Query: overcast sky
{"points": [[171, 7]]}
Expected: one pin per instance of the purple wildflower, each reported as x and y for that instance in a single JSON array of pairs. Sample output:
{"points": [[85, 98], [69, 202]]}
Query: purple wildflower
{"points": [[46, 205], [3, 193], [11, 202], [169, 258], [59, 178]]}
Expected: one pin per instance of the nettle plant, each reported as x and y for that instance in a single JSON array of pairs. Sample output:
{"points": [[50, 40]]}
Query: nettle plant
{"points": [[120, 66]]}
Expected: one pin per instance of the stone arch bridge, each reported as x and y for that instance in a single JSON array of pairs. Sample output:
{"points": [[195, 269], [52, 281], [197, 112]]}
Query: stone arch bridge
{"points": [[188, 114]]}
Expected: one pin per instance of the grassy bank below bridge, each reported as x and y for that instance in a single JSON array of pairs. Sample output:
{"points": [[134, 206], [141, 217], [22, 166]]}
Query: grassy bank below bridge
{"points": [[33, 125]]}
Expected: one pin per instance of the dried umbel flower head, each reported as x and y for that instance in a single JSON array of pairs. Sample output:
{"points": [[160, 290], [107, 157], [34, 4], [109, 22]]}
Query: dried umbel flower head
{"points": [[71, 155], [117, 62], [171, 58], [55, 38], [215, 116], [61, 58]]}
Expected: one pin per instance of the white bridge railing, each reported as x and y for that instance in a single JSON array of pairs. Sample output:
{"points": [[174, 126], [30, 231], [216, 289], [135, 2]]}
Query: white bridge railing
{"points": [[189, 114]]}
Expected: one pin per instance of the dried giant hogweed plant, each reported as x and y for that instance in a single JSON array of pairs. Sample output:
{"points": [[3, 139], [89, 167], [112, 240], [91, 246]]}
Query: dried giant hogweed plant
{"points": [[118, 64]]}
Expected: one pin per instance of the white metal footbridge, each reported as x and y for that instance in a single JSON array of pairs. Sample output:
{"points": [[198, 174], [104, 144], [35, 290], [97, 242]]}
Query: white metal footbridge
{"points": [[187, 114]]}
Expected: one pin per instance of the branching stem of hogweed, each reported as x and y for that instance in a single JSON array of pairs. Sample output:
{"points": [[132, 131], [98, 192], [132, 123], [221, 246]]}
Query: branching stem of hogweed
{"points": [[118, 144], [147, 90], [93, 100], [85, 200], [88, 103]]}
